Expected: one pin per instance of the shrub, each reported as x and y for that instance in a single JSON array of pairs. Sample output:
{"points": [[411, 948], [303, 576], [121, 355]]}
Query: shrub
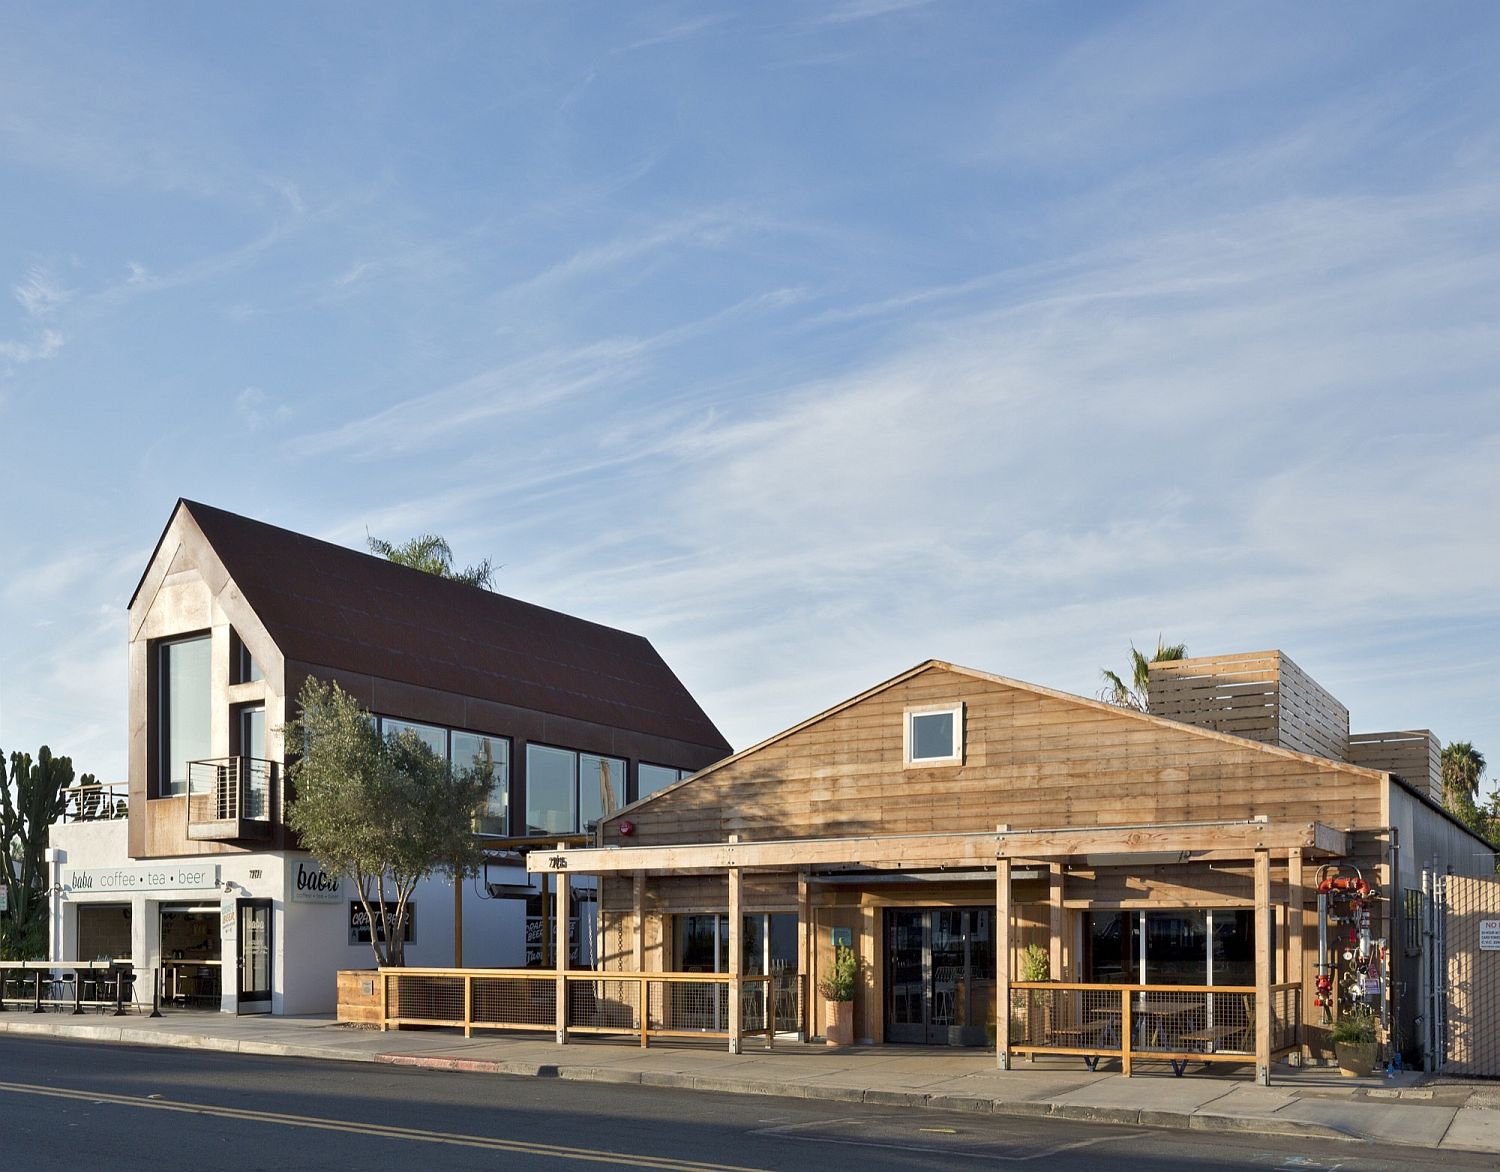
{"points": [[1355, 1028], [839, 984]]}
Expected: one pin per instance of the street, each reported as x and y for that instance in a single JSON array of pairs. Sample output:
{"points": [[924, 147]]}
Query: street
{"points": [[89, 1104]]}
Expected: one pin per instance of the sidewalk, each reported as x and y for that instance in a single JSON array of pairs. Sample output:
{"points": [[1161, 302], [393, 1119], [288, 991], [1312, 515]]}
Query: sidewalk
{"points": [[1408, 1109]]}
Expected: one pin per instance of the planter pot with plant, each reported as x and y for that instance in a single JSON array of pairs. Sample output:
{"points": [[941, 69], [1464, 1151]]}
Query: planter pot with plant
{"points": [[1354, 1043], [1031, 1022], [837, 989]]}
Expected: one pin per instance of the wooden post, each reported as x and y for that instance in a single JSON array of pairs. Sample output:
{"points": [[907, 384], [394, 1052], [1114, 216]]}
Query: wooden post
{"points": [[645, 1013], [1263, 968], [546, 920], [468, 1005], [804, 957], [1002, 963], [1296, 948], [458, 920], [1127, 1032], [560, 919], [736, 927], [638, 902], [1055, 920]]}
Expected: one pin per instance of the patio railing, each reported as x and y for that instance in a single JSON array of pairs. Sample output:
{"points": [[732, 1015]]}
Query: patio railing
{"points": [[1172, 1023], [637, 1005]]}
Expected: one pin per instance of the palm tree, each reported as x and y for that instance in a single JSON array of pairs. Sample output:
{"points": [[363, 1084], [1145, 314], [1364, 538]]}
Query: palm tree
{"points": [[432, 554], [1463, 767], [1134, 695]]}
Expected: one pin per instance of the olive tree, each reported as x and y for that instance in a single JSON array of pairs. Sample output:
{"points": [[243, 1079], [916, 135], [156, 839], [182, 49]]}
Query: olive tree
{"points": [[386, 813]]}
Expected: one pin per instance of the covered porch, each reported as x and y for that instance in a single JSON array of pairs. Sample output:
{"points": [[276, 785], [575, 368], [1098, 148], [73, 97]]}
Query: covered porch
{"points": [[997, 891]]}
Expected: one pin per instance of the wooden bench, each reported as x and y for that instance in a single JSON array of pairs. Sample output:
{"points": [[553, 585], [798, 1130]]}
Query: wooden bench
{"points": [[1210, 1039], [1080, 1037]]}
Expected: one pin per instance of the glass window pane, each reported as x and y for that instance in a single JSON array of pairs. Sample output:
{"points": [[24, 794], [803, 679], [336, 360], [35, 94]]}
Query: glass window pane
{"points": [[551, 790], [1234, 947], [931, 736], [184, 710], [601, 786], [651, 778], [489, 757], [431, 735], [1177, 947], [1111, 947]]}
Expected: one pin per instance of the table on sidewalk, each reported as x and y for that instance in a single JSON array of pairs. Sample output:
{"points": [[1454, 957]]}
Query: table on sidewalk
{"points": [[1159, 1024]]}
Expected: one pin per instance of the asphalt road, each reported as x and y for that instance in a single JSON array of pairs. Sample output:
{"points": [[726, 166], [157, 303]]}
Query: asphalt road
{"points": [[90, 1105]]}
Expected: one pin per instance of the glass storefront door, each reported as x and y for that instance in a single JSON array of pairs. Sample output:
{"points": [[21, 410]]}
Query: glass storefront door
{"points": [[254, 989], [939, 976]]}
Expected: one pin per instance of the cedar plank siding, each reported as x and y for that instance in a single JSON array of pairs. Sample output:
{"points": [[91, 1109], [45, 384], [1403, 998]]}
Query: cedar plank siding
{"points": [[1031, 761]]}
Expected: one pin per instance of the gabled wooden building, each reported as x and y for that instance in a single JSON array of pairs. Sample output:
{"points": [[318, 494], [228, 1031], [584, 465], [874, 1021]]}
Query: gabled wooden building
{"points": [[949, 816]]}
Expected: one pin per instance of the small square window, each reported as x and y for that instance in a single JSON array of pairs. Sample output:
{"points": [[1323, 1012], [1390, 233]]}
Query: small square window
{"points": [[935, 736]]}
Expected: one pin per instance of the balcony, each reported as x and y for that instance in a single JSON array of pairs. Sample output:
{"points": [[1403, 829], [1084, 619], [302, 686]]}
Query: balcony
{"points": [[233, 799]]}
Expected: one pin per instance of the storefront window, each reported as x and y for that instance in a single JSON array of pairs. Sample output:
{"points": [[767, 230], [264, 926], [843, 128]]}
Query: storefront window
{"points": [[1183, 946]]}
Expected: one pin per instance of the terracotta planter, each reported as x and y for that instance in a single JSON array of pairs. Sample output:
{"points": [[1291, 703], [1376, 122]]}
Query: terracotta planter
{"points": [[839, 1015], [1355, 1058]]}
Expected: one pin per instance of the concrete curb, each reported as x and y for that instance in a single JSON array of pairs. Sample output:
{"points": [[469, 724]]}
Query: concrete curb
{"points": [[1130, 1116]]}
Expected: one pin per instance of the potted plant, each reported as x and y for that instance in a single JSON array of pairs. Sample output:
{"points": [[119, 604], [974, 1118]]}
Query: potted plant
{"points": [[1354, 1044], [838, 996], [1036, 965]]}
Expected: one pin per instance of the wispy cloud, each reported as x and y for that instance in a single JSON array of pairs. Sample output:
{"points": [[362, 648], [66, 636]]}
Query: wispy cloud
{"points": [[254, 409], [40, 292], [676, 32], [852, 11]]}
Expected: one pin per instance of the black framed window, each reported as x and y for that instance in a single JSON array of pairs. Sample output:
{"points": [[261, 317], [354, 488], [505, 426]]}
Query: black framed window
{"points": [[183, 710]]}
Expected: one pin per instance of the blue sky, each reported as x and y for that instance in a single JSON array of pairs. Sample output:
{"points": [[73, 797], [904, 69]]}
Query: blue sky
{"points": [[809, 340]]}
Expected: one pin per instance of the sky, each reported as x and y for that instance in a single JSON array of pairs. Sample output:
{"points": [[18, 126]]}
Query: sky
{"points": [[809, 340]]}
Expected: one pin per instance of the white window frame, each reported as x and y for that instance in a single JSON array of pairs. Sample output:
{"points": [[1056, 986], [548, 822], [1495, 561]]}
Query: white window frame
{"points": [[908, 738]]}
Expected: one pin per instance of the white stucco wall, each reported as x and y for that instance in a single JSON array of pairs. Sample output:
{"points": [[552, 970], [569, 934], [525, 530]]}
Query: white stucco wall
{"points": [[309, 941]]}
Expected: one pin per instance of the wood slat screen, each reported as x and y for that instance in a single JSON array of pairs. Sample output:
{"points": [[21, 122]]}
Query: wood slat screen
{"points": [[1261, 695]]}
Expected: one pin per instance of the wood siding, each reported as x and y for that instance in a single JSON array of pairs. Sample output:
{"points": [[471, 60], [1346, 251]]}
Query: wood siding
{"points": [[1262, 696], [1414, 755], [1032, 760]]}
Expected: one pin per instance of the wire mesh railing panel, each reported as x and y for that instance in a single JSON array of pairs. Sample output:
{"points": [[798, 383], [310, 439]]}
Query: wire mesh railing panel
{"points": [[697, 1005], [422, 997], [604, 1004], [1286, 1017], [1066, 1019], [516, 1002]]}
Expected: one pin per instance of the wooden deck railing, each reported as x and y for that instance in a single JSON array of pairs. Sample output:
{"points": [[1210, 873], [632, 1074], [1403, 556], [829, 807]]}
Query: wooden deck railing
{"points": [[1164, 1023], [637, 1005]]}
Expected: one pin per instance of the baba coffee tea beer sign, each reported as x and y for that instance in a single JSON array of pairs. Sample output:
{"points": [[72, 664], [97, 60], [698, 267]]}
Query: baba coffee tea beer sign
{"points": [[309, 883], [168, 877]]}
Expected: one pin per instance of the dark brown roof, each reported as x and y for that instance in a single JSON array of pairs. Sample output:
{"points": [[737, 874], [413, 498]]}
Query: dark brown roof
{"points": [[333, 607]]}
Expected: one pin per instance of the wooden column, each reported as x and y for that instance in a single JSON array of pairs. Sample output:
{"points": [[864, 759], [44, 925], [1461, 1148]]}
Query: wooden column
{"points": [[804, 957], [1263, 968], [1002, 964], [1055, 921], [546, 920], [1295, 945], [638, 903], [560, 919], [458, 920], [736, 946]]}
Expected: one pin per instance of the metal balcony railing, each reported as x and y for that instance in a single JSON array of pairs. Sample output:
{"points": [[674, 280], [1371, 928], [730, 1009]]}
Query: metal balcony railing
{"points": [[94, 803], [232, 798]]}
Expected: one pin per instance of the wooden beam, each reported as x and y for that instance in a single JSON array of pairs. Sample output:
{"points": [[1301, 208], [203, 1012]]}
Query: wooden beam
{"points": [[1223, 839], [1002, 964], [1263, 968]]}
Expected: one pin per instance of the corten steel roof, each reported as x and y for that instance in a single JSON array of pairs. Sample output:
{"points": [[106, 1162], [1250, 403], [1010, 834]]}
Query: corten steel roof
{"points": [[333, 607]]}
